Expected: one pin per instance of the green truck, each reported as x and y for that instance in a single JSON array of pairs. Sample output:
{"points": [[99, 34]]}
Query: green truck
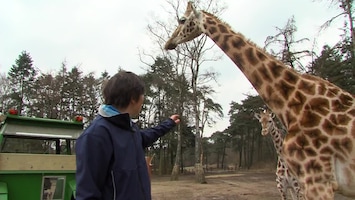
{"points": [[37, 158]]}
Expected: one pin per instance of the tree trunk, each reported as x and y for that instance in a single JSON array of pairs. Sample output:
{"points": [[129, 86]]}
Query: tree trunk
{"points": [[176, 169], [251, 149], [223, 156]]}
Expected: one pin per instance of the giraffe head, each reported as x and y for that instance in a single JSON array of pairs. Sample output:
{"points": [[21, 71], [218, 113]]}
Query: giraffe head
{"points": [[266, 120], [189, 27]]}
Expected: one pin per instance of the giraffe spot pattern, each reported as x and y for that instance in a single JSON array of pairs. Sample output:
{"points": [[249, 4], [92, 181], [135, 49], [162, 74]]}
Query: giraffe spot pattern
{"points": [[205, 27], [352, 167], [319, 105], [301, 141], [290, 77], [321, 89], [309, 180], [256, 80], [297, 102], [285, 89], [340, 157], [338, 106], [309, 119], [274, 102], [348, 145], [299, 153], [332, 92], [225, 43], [307, 87], [310, 152], [326, 150], [212, 30], [326, 163], [216, 38], [260, 55], [296, 167], [352, 112], [222, 28], [210, 21], [289, 117], [346, 100], [313, 166], [318, 139], [275, 69], [353, 130], [238, 43], [344, 146], [293, 130], [238, 60], [333, 129], [340, 119], [251, 56], [318, 179], [265, 73]]}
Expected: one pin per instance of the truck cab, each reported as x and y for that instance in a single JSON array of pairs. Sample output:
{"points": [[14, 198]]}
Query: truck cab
{"points": [[37, 157]]}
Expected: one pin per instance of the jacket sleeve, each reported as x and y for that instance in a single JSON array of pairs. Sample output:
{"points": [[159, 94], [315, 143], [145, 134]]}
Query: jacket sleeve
{"points": [[150, 135], [93, 156]]}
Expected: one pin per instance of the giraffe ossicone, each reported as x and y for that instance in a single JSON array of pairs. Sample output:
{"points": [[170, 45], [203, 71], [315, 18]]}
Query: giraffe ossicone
{"points": [[319, 117]]}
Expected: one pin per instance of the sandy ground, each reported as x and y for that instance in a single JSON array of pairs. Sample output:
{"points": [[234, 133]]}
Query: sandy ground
{"points": [[239, 185]]}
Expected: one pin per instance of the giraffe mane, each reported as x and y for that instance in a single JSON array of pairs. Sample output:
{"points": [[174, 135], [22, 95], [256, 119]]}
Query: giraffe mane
{"points": [[247, 39], [214, 16]]}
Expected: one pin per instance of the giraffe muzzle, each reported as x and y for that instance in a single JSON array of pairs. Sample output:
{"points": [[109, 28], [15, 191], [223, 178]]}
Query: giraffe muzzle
{"points": [[170, 46]]}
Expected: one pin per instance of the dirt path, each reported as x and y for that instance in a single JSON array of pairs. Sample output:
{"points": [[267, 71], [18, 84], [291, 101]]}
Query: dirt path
{"points": [[246, 185], [233, 186]]}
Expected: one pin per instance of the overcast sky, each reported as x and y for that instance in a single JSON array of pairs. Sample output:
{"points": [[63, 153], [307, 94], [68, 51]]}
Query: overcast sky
{"points": [[105, 35]]}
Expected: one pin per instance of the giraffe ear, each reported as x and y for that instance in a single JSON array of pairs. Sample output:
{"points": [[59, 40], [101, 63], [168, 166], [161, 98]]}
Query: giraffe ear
{"points": [[257, 115]]}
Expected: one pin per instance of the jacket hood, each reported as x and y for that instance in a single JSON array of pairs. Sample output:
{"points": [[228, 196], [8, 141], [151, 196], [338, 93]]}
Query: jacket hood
{"points": [[121, 120]]}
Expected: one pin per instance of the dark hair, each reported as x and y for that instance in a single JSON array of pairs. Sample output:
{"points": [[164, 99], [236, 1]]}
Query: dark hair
{"points": [[120, 89]]}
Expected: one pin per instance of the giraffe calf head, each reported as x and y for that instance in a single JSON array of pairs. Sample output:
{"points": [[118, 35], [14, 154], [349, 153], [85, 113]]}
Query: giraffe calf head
{"points": [[266, 120]]}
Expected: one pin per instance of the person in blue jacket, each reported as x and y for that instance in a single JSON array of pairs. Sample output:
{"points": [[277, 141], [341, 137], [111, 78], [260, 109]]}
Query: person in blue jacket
{"points": [[110, 154]]}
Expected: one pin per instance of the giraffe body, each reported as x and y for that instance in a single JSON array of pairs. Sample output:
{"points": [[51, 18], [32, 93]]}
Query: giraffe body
{"points": [[319, 117], [284, 179]]}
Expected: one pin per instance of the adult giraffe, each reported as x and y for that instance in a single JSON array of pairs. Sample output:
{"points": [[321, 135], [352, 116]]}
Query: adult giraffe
{"points": [[319, 116]]}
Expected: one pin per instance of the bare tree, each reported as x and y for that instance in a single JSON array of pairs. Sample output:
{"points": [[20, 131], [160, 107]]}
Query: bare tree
{"points": [[5, 89], [347, 10], [188, 61], [285, 41]]}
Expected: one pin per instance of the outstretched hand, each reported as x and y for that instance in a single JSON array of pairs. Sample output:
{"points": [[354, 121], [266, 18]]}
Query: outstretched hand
{"points": [[175, 118]]}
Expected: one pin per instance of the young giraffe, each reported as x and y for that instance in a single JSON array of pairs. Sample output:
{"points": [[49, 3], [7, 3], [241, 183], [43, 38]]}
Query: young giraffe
{"points": [[319, 148], [284, 179]]}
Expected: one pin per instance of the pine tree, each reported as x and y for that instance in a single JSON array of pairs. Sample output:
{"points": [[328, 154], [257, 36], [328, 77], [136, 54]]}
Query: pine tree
{"points": [[22, 76]]}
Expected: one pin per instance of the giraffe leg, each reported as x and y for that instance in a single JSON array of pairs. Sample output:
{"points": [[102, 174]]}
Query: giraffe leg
{"points": [[296, 188], [281, 187]]}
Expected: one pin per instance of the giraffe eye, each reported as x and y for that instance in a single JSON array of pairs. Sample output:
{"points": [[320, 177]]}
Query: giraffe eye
{"points": [[182, 20]]}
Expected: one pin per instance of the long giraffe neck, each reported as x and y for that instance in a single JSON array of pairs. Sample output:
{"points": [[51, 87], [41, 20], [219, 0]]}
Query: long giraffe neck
{"points": [[277, 137], [272, 79]]}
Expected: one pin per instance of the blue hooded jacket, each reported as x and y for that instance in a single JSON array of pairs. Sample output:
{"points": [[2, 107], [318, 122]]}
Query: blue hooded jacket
{"points": [[110, 159]]}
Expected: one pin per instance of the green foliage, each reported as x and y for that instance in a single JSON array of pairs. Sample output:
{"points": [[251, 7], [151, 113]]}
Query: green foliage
{"points": [[22, 76], [336, 65]]}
